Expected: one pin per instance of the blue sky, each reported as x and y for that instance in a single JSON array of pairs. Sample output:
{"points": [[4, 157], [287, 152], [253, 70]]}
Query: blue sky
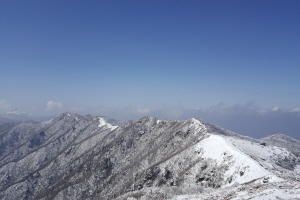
{"points": [[118, 56]]}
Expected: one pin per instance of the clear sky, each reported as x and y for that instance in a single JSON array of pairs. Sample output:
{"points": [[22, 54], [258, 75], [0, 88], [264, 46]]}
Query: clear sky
{"points": [[89, 56]]}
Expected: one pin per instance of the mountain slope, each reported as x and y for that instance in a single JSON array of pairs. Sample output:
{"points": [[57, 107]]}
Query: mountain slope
{"points": [[93, 157], [284, 141]]}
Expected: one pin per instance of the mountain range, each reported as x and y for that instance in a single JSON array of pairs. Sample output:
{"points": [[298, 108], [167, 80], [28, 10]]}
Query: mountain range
{"points": [[16, 116], [95, 157]]}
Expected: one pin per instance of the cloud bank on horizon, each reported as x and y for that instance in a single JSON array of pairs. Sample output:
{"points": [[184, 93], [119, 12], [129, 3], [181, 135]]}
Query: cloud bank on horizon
{"points": [[246, 119], [54, 106], [4, 106]]}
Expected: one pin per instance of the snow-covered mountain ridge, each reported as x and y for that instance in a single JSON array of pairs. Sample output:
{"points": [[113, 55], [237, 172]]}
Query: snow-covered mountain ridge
{"points": [[94, 157]]}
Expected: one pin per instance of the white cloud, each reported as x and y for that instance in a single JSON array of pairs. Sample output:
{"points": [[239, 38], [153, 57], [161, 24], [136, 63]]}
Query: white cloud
{"points": [[77, 109], [51, 105], [4, 107], [296, 110], [143, 111]]}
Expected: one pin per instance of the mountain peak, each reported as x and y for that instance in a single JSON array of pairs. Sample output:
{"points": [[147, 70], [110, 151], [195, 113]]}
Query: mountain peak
{"points": [[69, 115]]}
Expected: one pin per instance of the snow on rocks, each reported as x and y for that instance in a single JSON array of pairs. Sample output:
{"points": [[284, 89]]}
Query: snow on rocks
{"points": [[83, 157], [255, 191], [197, 125], [103, 123]]}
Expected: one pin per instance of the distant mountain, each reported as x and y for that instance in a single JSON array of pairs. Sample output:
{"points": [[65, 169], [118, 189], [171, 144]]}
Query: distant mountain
{"points": [[5, 120], [95, 157], [23, 116]]}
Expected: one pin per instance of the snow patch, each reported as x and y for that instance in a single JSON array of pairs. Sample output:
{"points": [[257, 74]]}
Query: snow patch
{"points": [[241, 167], [103, 123]]}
